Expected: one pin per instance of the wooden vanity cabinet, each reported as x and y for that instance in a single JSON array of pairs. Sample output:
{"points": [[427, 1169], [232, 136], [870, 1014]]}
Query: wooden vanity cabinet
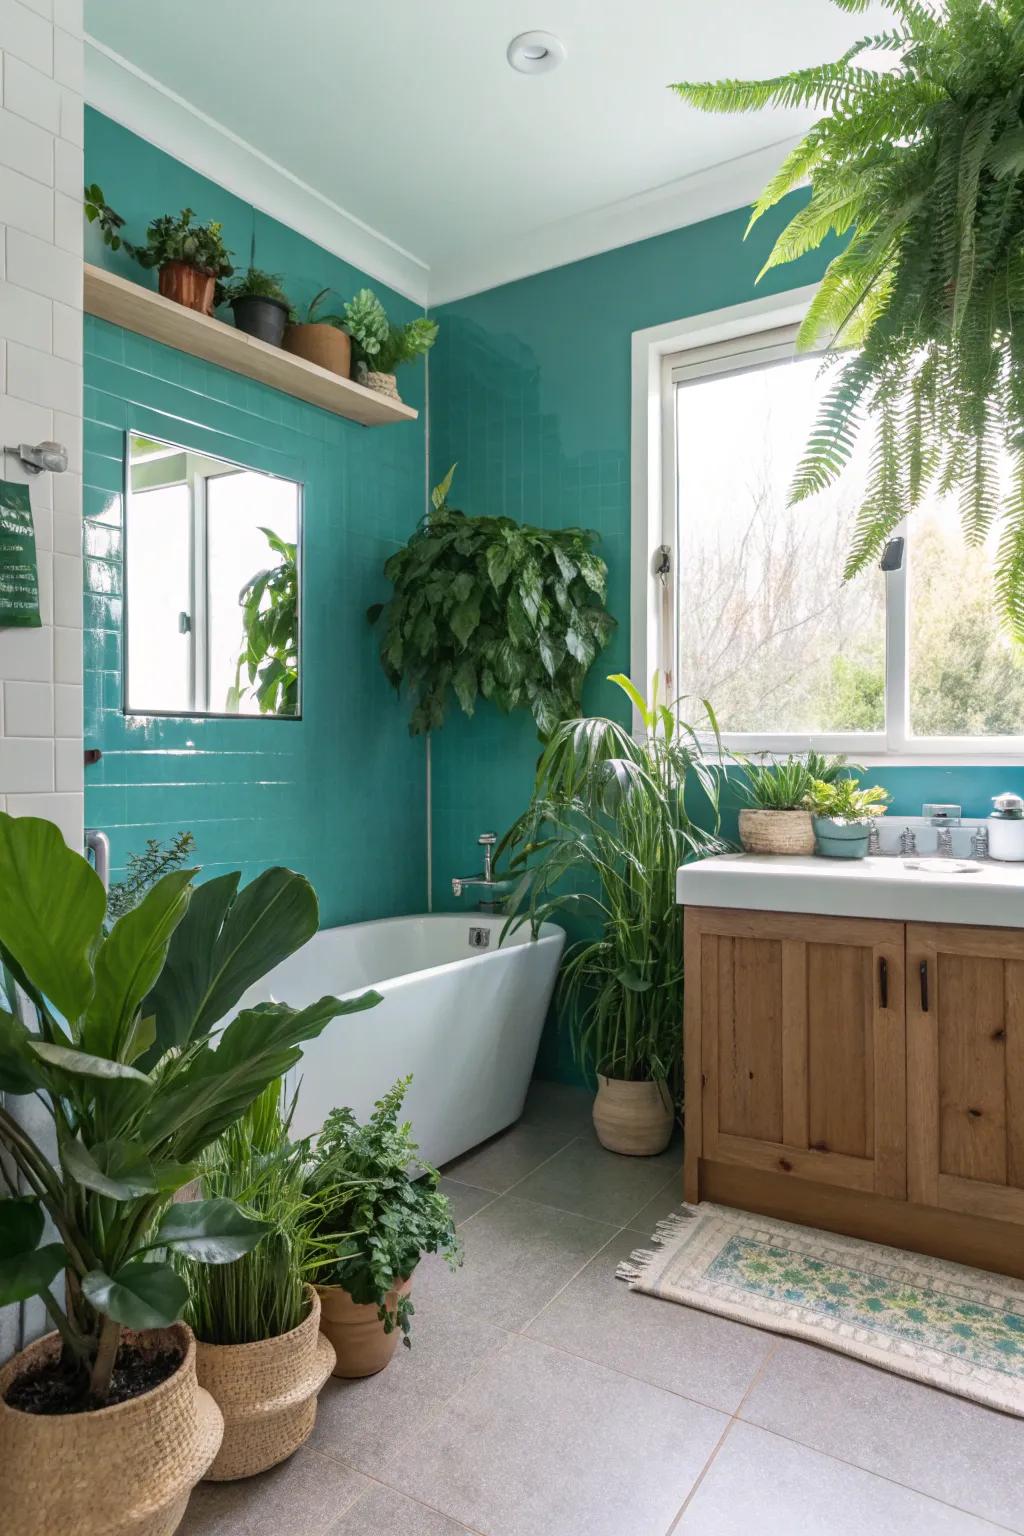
{"points": [[861, 1075]]}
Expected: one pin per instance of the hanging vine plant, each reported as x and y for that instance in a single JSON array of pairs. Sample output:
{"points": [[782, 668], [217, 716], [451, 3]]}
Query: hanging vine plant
{"points": [[486, 606], [924, 163]]}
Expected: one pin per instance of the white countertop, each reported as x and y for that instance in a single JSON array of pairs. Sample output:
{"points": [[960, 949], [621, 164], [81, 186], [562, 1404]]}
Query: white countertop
{"points": [[910, 890]]}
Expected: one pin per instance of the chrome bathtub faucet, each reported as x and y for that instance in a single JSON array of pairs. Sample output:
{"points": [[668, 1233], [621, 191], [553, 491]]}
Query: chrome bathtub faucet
{"points": [[908, 842], [486, 881]]}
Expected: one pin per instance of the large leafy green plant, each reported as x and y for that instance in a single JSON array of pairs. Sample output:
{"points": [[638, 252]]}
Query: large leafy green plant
{"points": [[487, 606], [270, 625], [378, 344], [925, 165], [123, 1057], [168, 238], [609, 824]]}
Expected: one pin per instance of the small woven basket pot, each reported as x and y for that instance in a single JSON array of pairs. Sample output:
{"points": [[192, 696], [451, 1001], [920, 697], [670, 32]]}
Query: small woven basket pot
{"points": [[356, 1332], [635, 1119], [267, 1394], [776, 831], [383, 383], [126, 1470]]}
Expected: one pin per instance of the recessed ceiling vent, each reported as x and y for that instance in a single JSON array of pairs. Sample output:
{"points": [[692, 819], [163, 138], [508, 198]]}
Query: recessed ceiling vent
{"points": [[535, 53]]}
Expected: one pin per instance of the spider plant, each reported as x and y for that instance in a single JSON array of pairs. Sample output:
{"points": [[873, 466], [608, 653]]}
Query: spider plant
{"points": [[609, 816], [786, 785]]}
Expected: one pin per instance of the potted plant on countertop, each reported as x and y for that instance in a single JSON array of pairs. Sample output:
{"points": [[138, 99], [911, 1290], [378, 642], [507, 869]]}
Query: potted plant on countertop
{"points": [[371, 1221], [842, 816], [259, 1350], [103, 1427], [380, 347], [259, 304], [319, 338], [777, 819], [609, 813], [190, 258]]}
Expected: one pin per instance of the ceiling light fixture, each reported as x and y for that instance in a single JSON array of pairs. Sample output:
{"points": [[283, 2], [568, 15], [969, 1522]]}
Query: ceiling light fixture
{"points": [[535, 53]]}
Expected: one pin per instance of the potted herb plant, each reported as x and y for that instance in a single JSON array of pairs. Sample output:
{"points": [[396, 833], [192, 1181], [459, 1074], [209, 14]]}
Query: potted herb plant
{"points": [[487, 607], [777, 818], [259, 304], [190, 258], [602, 840], [379, 347], [319, 338], [374, 1210], [103, 1427], [842, 815], [259, 1351]]}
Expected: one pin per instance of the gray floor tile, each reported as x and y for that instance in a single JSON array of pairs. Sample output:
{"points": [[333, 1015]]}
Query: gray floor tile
{"points": [[383, 1512], [939, 1444], [667, 1202], [761, 1483], [703, 1357], [355, 1419], [517, 1257], [559, 1105], [541, 1443], [302, 1496], [502, 1162], [465, 1200], [588, 1179]]}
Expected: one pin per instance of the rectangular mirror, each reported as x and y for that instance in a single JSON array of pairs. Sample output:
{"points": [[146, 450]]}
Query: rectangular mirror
{"points": [[211, 586]]}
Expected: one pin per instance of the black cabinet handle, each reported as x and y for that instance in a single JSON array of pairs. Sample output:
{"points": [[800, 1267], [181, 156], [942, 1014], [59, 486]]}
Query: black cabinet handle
{"points": [[924, 986], [883, 981]]}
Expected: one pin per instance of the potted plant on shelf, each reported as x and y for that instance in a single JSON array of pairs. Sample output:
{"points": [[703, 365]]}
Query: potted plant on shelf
{"points": [[190, 258], [609, 813], [487, 607], [842, 816], [370, 1223], [259, 304], [103, 1427], [259, 1350], [319, 338], [778, 817], [379, 347]]}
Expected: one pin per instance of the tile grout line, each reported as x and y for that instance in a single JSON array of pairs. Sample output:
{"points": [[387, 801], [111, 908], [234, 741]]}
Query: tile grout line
{"points": [[377, 1482]]}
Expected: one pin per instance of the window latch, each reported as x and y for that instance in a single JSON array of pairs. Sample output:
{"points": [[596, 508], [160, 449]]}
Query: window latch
{"points": [[663, 562], [892, 555], [184, 623]]}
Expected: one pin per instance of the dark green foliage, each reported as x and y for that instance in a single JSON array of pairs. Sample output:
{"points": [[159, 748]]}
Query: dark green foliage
{"points": [[487, 606], [167, 238], [372, 1219], [377, 343], [270, 623], [925, 165], [145, 869], [786, 785], [312, 315], [253, 284]]}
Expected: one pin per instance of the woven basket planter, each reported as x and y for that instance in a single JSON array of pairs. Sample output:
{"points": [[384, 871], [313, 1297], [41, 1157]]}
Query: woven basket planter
{"points": [[635, 1119], [776, 831], [383, 383], [356, 1332], [267, 1394], [126, 1470]]}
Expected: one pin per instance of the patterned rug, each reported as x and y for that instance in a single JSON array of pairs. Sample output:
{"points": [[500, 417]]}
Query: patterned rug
{"points": [[955, 1328]]}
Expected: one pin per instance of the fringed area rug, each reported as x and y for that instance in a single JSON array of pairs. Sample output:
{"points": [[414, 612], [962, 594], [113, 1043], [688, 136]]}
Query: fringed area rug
{"points": [[955, 1328]]}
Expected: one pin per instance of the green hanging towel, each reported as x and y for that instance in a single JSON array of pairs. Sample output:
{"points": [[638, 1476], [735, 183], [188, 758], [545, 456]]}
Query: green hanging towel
{"points": [[19, 576]]}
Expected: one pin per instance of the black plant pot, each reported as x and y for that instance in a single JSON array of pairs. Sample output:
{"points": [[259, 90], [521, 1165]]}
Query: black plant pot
{"points": [[264, 318]]}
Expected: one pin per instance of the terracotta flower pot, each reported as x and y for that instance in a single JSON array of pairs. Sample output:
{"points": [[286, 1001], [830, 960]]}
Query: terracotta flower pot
{"points": [[322, 344], [267, 1394], [126, 1470], [188, 286], [633, 1118], [776, 831], [356, 1332]]}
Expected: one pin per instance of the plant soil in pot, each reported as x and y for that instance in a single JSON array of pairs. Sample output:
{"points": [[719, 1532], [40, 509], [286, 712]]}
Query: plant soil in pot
{"points": [[635, 1119], [123, 1470], [763, 831], [361, 1345], [267, 1394], [188, 286]]}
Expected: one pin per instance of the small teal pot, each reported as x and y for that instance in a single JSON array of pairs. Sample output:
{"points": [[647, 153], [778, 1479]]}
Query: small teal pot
{"points": [[840, 839]]}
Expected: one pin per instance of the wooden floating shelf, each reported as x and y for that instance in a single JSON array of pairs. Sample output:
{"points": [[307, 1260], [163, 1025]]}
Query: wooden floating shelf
{"points": [[149, 314]]}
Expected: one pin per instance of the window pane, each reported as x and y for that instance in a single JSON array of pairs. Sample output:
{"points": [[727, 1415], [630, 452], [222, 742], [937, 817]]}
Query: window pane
{"points": [[768, 629], [159, 669]]}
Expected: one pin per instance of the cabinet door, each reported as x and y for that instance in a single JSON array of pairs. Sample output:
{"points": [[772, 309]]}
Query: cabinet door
{"points": [[965, 1059], [798, 1025]]}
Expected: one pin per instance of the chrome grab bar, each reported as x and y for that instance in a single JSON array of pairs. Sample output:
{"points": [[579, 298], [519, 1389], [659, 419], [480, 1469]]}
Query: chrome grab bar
{"points": [[98, 844]]}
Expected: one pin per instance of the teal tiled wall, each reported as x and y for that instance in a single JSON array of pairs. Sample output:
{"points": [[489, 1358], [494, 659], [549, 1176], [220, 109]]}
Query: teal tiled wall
{"points": [[339, 794]]}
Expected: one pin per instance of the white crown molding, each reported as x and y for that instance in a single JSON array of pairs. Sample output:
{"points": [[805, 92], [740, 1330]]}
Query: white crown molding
{"points": [[702, 195], [127, 94]]}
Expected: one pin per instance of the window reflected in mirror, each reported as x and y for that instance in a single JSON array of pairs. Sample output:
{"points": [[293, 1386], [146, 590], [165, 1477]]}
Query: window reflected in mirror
{"points": [[211, 586]]}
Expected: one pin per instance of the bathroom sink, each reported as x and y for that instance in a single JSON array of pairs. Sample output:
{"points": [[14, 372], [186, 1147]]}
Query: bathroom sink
{"points": [[938, 866]]}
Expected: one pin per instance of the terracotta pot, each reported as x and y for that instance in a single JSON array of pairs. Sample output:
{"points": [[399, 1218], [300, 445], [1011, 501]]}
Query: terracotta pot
{"points": [[188, 286], [126, 1470], [357, 1333], [383, 383], [776, 831], [322, 344], [267, 1394], [633, 1118]]}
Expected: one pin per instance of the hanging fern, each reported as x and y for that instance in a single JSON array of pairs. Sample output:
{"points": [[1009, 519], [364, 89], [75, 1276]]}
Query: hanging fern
{"points": [[925, 164]]}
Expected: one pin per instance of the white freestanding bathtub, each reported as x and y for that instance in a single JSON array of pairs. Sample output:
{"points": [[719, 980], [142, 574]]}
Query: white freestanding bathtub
{"points": [[461, 1014]]}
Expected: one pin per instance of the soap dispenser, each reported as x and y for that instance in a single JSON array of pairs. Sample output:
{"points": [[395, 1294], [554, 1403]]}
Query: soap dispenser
{"points": [[1006, 828]]}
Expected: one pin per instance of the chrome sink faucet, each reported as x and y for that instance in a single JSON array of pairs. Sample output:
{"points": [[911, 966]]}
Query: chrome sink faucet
{"points": [[486, 880]]}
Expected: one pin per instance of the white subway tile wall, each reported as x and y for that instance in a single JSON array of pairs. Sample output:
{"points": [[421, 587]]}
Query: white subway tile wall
{"points": [[41, 397]]}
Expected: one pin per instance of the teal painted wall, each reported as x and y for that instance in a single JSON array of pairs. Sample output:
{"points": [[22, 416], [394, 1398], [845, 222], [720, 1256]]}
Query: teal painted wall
{"points": [[339, 794]]}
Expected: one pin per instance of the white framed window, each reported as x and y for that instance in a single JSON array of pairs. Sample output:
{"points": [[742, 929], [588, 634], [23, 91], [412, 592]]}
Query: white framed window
{"points": [[740, 598]]}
